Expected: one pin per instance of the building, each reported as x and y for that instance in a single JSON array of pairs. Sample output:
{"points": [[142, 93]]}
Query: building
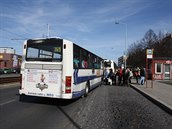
{"points": [[7, 50], [162, 68], [121, 61], [9, 60]]}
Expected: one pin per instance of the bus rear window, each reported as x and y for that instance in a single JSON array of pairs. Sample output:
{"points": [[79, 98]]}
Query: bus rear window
{"points": [[107, 64], [48, 50]]}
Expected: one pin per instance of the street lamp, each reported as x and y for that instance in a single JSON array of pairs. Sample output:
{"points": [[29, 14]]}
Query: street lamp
{"points": [[125, 52]]}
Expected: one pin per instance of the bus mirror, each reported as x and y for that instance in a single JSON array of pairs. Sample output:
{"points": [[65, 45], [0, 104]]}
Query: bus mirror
{"points": [[64, 46], [25, 46]]}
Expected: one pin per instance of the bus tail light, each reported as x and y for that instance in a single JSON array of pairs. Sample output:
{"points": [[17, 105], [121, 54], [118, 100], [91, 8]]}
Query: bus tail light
{"points": [[68, 84]]}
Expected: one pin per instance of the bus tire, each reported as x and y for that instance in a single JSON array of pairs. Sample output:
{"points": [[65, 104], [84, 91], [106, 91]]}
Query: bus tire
{"points": [[87, 87], [22, 98]]}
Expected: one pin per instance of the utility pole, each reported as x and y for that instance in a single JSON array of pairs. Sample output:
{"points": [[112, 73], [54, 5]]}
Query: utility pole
{"points": [[48, 30], [125, 53]]}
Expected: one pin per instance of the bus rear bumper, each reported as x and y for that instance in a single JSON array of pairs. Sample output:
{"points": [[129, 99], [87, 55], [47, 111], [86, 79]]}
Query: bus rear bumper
{"points": [[48, 95]]}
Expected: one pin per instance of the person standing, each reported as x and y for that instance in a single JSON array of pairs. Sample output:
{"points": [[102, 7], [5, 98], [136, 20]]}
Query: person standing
{"points": [[124, 76], [106, 76], [119, 76], [131, 75], [127, 76], [137, 75], [111, 76], [142, 75]]}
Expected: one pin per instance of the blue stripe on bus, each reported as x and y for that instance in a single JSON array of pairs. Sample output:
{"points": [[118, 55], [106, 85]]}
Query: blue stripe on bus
{"points": [[77, 94], [81, 79], [85, 78], [78, 80]]}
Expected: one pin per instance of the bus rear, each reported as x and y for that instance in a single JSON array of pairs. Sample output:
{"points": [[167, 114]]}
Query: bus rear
{"points": [[41, 69], [108, 64]]}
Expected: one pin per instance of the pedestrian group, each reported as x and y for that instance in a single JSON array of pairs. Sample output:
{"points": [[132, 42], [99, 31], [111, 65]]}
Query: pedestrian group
{"points": [[123, 77]]}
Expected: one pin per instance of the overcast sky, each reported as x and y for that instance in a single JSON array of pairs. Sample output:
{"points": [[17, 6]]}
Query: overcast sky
{"points": [[88, 23]]}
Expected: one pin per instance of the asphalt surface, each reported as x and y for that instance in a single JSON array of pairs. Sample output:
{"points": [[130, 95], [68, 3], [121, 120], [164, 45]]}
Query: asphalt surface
{"points": [[10, 75], [106, 107]]}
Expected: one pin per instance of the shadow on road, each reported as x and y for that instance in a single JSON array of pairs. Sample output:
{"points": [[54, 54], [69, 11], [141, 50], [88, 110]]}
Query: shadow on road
{"points": [[69, 118], [47, 101]]}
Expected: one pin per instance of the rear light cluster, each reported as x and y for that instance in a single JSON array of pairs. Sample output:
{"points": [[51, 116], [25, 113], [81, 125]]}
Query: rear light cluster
{"points": [[68, 84]]}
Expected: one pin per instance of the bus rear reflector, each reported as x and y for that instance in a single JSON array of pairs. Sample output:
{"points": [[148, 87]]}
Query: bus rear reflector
{"points": [[68, 84], [68, 91]]}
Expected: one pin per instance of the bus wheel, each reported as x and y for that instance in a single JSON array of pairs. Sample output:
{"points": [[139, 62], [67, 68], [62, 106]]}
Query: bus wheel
{"points": [[22, 98], [86, 89]]}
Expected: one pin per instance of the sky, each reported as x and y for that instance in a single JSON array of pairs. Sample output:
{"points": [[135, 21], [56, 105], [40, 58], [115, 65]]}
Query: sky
{"points": [[88, 23]]}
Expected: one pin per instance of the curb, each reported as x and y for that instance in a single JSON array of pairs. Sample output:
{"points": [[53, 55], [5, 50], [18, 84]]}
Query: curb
{"points": [[159, 103]]}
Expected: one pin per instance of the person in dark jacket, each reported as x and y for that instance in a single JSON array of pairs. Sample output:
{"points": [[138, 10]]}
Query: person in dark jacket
{"points": [[127, 76], [142, 75], [111, 75], [119, 73]]}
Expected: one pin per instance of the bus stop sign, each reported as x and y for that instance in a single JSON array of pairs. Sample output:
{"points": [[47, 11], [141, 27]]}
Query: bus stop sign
{"points": [[149, 53]]}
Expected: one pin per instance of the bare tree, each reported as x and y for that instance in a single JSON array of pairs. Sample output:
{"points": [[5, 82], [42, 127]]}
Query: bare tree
{"points": [[161, 44]]}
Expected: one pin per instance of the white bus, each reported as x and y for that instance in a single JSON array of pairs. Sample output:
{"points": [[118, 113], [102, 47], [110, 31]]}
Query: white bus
{"points": [[58, 68], [108, 64]]}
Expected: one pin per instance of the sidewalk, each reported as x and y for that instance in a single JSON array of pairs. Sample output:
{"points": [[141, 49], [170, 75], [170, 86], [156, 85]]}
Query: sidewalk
{"points": [[160, 93]]}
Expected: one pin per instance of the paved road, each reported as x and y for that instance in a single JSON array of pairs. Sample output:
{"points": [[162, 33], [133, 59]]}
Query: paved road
{"points": [[10, 75], [106, 107]]}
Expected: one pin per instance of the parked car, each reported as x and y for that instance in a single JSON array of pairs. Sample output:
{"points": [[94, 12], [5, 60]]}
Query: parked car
{"points": [[1, 71], [16, 70], [7, 70]]}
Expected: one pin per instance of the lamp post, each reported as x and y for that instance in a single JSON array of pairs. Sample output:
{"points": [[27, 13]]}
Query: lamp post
{"points": [[125, 51]]}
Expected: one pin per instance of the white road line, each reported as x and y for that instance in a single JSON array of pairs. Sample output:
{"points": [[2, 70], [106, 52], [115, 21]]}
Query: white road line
{"points": [[7, 102]]}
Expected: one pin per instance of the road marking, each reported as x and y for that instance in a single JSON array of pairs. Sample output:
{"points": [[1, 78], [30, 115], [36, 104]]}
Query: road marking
{"points": [[7, 102]]}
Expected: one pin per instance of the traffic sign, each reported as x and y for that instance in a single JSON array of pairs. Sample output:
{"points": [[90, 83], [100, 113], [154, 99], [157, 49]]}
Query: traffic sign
{"points": [[149, 53]]}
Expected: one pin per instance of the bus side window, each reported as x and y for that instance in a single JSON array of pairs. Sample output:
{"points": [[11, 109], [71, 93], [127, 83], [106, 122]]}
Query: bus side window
{"points": [[95, 63], [76, 57], [84, 64], [98, 64], [90, 61], [76, 63]]}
